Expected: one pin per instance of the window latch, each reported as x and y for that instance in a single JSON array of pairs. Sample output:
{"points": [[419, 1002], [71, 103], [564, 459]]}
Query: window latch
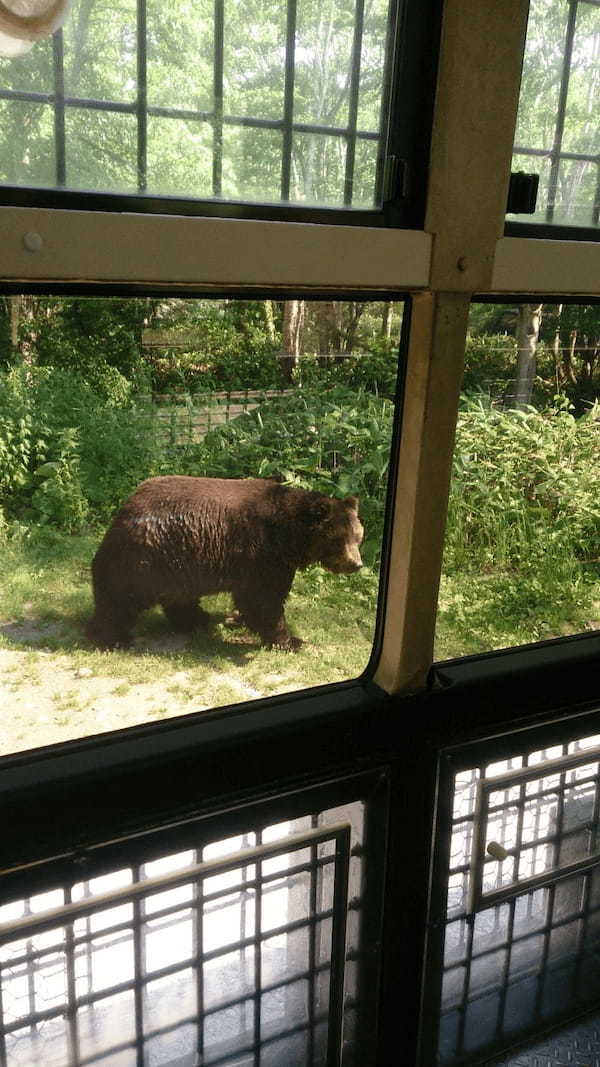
{"points": [[522, 193]]}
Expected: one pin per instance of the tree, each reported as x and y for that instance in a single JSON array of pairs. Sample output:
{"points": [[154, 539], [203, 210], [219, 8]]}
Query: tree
{"points": [[292, 336], [528, 331]]}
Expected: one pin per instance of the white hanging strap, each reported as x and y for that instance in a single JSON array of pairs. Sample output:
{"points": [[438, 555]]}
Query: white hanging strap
{"points": [[23, 22]]}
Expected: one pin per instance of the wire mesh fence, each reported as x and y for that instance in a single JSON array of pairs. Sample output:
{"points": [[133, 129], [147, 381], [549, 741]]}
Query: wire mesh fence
{"points": [[185, 418]]}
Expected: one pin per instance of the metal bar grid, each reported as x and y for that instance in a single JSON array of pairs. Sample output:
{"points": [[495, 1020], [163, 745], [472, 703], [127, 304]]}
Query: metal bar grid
{"points": [[68, 932], [215, 117], [555, 154], [554, 839], [529, 956]]}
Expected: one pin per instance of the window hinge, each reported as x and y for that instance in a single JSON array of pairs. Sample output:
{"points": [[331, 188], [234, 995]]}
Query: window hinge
{"points": [[522, 193], [395, 175]]}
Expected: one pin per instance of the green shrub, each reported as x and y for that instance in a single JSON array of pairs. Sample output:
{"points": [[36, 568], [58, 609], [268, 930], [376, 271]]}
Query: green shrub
{"points": [[67, 452], [525, 490], [58, 497], [374, 369]]}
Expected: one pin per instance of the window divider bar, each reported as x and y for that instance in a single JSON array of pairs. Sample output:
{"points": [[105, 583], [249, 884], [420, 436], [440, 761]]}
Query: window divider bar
{"points": [[257, 958], [312, 948], [138, 971], [71, 989], [142, 98], [198, 922], [288, 99], [338, 947], [561, 111], [218, 67], [59, 108], [596, 205], [359, 21]]}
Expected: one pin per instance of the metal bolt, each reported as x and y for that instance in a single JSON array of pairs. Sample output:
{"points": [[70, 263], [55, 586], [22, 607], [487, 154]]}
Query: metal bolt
{"points": [[32, 241]]}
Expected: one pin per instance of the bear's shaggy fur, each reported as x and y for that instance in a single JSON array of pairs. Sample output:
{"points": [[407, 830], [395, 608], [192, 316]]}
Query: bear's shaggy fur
{"points": [[178, 538]]}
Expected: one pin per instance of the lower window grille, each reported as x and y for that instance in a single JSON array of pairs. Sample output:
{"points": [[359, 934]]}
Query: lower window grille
{"points": [[232, 955], [522, 932]]}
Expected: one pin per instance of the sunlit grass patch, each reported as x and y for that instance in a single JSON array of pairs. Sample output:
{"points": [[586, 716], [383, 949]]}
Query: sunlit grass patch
{"points": [[46, 600], [477, 613]]}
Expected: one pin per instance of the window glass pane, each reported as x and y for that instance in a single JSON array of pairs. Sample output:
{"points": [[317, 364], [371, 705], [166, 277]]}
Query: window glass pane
{"points": [[99, 394], [180, 56], [27, 131], [247, 101], [179, 157], [557, 130], [169, 964], [106, 152], [100, 52], [520, 956], [522, 550]]}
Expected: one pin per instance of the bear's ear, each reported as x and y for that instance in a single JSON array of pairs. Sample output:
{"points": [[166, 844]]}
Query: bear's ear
{"points": [[352, 502]]}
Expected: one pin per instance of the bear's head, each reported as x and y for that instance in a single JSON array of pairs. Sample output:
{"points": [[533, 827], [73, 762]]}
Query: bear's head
{"points": [[338, 537]]}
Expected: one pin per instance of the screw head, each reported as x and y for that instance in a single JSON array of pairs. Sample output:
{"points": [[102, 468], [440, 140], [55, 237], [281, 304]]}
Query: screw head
{"points": [[32, 241]]}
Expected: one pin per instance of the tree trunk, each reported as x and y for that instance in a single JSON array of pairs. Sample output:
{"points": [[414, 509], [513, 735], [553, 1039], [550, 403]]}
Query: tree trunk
{"points": [[269, 320], [528, 331], [292, 336], [14, 305], [328, 329], [386, 320]]}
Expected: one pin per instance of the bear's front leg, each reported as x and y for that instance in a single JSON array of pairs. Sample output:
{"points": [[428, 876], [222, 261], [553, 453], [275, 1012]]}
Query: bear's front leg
{"points": [[261, 608], [111, 624]]}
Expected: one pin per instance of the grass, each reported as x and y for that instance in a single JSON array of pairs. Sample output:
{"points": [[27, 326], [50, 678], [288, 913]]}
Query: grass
{"points": [[46, 599], [59, 688], [503, 609]]}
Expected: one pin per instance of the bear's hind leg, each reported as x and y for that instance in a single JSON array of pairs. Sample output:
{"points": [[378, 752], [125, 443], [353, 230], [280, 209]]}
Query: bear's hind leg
{"points": [[185, 617]]}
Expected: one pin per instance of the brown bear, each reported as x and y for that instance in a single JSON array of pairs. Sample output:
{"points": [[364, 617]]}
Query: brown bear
{"points": [[179, 538]]}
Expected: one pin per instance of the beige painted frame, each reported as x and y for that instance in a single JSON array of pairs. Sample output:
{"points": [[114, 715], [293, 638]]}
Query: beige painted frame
{"points": [[461, 252]]}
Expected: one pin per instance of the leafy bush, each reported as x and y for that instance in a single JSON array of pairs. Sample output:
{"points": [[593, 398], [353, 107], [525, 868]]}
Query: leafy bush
{"points": [[525, 490], [58, 497], [374, 369], [66, 449]]}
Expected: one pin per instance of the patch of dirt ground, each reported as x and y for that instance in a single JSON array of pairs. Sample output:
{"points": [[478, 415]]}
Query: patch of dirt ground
{"points": [[47, 698]]}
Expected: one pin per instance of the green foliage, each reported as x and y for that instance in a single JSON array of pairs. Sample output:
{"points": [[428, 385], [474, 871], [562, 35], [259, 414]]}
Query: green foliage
{"points": [[66, 450], [98, 338], [525, 491], [58, 496], [374, 369], [227, 346]]}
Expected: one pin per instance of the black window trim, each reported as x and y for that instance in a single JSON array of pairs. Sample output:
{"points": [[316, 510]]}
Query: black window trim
{"points": [[546, 231]]}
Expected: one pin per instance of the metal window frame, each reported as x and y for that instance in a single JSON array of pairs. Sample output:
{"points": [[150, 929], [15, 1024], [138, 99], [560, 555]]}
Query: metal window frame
{"points": [[556, 155], [407, 100], [478, 897], [400, 729], [195, 874]]}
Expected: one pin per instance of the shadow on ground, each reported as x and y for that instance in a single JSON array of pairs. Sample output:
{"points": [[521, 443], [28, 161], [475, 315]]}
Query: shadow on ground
{"points": [[152, 635]]}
